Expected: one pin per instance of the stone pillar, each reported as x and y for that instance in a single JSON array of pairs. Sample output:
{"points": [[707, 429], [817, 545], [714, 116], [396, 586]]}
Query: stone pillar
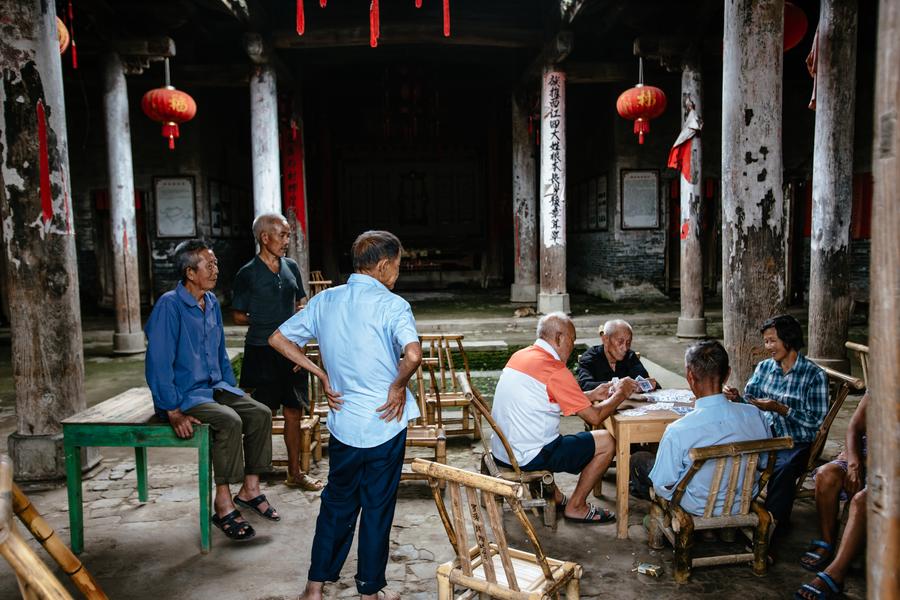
{"points": [[753, 219], [128, 338], [692, 323], [832, 192], [264, 141], [883, 428], [38, 239], [525, 282], [553, 296]]}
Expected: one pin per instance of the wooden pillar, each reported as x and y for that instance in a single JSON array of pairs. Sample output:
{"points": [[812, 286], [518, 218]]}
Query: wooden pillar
{"points": [[128, 338], [38, 239], [753, 219], [525, 256], [264, 141], [883, 426], [832, 191], [553, 296], [692, 322]]}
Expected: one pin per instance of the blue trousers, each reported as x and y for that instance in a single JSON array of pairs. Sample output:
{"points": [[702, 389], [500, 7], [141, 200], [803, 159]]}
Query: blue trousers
{"points": [[359, 480], [789, 464]]}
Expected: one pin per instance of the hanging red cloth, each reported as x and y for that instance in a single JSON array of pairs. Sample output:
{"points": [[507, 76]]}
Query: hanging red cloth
{"points": [[418, 3], [446, 18], [812, 65], [322, 3], [72, 34], [301, 18], [44, 164], [680, 155], [374, 24]]}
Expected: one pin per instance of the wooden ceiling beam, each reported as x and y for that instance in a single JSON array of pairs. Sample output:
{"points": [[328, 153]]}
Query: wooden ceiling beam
{"points": [[465, 33], [555, 51]]}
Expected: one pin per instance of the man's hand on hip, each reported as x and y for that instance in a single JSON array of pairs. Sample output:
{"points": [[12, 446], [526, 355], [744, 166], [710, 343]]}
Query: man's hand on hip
{"points": [[334, 398], [182, 424], [393, 409]]}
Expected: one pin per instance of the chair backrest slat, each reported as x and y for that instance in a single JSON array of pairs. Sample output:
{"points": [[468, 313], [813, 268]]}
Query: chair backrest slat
{"points": [[714, 486], [459, 524], [731, 490], [496, 520], [749, 480], [481, 536]]}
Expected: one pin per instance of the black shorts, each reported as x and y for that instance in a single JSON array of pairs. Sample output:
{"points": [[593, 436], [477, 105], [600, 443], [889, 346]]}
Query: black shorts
{"points": [[271, 377], [565, 454]]}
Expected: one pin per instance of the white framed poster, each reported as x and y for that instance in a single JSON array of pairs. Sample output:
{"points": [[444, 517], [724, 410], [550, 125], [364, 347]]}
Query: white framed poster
{"points": [[175, 215], [640, 199]]}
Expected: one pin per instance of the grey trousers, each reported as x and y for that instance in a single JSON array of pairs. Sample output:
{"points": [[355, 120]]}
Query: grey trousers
{"points": [[234, 419]]}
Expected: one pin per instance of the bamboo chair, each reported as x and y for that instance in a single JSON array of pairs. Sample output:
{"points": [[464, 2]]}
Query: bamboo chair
{"points": [[420, 433], [540, 485], [36, 580], [318, 403], [840, 385], [669, 520], [317, 283], [310, 445], [490, 568], [440, 353], [862, 354]]}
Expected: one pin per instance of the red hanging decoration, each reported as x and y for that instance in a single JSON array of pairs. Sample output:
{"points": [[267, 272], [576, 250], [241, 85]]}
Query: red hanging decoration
{"points": [[322, 3], [640, 104], [169, 107], [301, 18], [418, 3], [446, 18], [72, 34], [62, 35], [374, 24], [795, 25], [44, 164]]}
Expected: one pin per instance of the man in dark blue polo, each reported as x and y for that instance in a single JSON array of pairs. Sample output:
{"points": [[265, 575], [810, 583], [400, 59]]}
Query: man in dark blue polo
{"points": [[191, 380]]}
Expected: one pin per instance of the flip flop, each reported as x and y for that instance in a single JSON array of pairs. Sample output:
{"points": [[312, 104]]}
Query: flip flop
{"points": [[562, 503], [253, 504], [832, 591], [305, 482], [606, 516], [239, 531], [820, 561]]}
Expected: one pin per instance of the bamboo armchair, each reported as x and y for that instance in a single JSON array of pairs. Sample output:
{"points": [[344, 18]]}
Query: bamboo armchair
{"points": [[840, 385], [318, 403], [420, 433], [440, 353], [669, 520], [490, 568], [539, 485], [317, 283], [862, 354], [36, 580]]}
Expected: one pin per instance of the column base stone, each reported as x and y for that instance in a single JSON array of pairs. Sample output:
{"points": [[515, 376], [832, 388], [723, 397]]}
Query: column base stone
{"points": [[691, 327], [548, 303], [128, 343], [523, 292], [41, 459]]}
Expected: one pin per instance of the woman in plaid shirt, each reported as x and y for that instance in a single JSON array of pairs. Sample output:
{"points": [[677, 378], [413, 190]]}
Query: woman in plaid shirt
{"points": [[793, 392]]}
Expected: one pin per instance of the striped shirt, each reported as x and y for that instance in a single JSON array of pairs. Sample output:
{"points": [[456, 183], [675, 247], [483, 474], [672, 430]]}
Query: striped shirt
{"points": [[535, 388], [804, 389]]}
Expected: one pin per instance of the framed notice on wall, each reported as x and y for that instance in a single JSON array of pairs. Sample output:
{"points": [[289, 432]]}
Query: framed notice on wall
{"points": [[640, 199], [175, 215]]}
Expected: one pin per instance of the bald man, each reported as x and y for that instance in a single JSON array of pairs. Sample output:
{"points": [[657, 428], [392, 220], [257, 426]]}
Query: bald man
{"points": [[612, 358], [534, 391]]}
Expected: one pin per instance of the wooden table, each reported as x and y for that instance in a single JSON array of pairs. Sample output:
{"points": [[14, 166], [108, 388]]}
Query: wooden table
{"points": [[629, 430]]}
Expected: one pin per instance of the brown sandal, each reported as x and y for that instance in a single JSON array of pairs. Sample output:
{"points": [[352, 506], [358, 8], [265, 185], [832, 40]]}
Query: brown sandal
{"points": [[305, 482]]}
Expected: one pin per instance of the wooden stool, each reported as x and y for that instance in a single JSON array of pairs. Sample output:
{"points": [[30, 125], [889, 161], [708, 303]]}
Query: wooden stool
{"points": [[310, 446]]}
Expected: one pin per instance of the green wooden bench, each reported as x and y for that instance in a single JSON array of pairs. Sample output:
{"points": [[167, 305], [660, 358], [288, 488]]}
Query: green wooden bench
{"points": [[128, 420]]}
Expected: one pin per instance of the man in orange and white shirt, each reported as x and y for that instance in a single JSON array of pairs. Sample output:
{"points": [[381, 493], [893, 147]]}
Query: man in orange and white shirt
{"points": [[534, 390]]}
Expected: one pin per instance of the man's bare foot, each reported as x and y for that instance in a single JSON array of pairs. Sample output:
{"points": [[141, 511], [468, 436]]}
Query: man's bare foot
{"points": [[313, 591], [384, 594]]}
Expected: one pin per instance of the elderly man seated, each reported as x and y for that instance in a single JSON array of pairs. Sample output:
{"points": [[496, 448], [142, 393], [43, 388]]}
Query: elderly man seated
{"points": [[714, 420], [612, 358], [536, 388]]}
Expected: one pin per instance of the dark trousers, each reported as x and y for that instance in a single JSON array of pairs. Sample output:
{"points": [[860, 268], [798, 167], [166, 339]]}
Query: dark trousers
{"points": [[789, 464], [358, 478]]}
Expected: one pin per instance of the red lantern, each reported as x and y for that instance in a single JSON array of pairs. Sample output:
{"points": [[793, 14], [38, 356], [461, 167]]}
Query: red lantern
{"points": [[640, 104], [62, 35], [170, 107], [795, 25]]}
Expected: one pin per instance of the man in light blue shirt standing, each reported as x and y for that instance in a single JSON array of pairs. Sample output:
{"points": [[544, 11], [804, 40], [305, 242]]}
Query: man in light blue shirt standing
{"points": [[714, 420], [362, 329]]}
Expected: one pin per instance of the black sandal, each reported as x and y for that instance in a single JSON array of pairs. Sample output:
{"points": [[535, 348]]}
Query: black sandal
{"points": [[253, 504], [239, 531]]}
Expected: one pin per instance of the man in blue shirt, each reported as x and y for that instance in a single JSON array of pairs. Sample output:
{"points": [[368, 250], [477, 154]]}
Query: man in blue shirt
{"points": [[713, 421], [191, 380], [363, 330]]}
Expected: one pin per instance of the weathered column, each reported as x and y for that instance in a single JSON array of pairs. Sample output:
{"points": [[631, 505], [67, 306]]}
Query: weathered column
{"points": [[129, 337], [883, 426], [553, 296], [524, 287], [832, 191], [264, 141], [753, 231], [691, 323], [38, 239]]}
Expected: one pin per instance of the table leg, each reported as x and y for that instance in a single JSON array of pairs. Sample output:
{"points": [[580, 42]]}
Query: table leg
{"points": [[140, 466], [204, 476], [623, 475], [73, 487]]}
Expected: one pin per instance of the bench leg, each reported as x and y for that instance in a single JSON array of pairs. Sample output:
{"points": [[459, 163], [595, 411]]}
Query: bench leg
{"points": [[204, 477], [305, 448], [140, 466], [73, 486]]}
